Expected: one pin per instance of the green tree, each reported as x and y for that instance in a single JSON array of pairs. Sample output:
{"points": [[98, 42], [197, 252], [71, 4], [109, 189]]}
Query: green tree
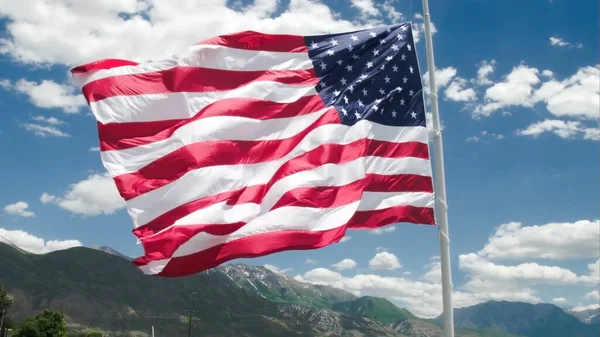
{"points": [[50, 323], [94, 334], [5, 300]]}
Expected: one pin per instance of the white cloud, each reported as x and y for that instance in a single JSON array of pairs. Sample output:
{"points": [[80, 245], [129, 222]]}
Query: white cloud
{"points": [[563, 129], [484, 71], [48, 94], [95, 149], [345, 264], [442, 76], [44, 130], [559, 300], [384, 261], [33, 243], [133, 30], [586, 307], [345, 239], [434, 271], [390, 11], [457, 91], [554, 241], [48, 120], [483, 136], [365, 7], [20, 208], [559, 42], [419, 27], [382, 230], [310, 261], [593, 295], [90, 197], [577, 96], [276, 269]]}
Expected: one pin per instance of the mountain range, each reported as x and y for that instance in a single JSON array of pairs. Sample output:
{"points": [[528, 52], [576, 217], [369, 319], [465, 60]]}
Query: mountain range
{"points": [[99, 287]]}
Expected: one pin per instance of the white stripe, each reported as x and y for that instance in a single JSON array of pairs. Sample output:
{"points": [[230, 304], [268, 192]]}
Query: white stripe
{"points": [[209, 56], [297, 218], [372, 201], [183, 105], [218, 179], [119, 162]]}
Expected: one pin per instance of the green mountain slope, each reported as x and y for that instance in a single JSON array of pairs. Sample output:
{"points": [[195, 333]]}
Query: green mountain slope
{"points": [[376, 308]]}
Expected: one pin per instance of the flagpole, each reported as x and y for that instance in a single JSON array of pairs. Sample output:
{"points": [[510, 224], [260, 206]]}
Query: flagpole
{"points": [[440, 183]]}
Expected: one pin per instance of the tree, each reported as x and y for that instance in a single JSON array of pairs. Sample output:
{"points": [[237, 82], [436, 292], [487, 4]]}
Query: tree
{"points": [[50, 323], [5, 300], [94, 334]]}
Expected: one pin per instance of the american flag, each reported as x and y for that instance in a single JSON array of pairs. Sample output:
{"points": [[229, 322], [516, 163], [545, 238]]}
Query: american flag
{"points": [[249, 144]]}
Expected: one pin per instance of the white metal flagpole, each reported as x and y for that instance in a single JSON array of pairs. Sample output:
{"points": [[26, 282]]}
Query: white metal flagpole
{"points": [[440, 183]]}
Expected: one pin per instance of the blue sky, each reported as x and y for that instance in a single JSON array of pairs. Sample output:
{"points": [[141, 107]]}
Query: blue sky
{"points": [[519, 97]]}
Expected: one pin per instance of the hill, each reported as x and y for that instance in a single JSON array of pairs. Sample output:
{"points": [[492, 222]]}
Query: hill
{"points": [[591, 316], [530, 320], [378, 309]]}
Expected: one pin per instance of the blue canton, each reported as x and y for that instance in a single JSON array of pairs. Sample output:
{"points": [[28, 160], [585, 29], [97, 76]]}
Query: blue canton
{"points": [[370, 74]]}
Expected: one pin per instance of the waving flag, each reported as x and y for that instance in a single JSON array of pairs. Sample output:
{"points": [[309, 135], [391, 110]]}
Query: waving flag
{"points": [[249, 144]]}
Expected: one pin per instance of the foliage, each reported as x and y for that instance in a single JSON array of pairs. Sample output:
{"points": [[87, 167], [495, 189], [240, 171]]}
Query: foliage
{"points": [[5, 300], [50, 323]]}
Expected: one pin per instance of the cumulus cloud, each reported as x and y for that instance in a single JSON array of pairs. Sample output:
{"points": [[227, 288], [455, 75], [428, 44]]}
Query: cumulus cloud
{"points": [[382, 230], [559, 300], [559, 42], [48, 94], [45, 127], [485, 136], [562, 129], [20, 208], [486, 68], [384, 261], [345, 264], [593, 295], [553, 241], [95, 195], [455, 87], [33, 243], [577, 96]]}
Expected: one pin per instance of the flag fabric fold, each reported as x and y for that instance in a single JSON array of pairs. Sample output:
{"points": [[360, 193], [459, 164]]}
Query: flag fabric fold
{"points": [[249, 144]]}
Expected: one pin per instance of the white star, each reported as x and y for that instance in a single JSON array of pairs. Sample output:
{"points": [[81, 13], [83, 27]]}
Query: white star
{"points": [[339, 62], [357, 115], [369, 64], [402, 101], [336, 92], [345, 99], [404, 28], [373, 34], [378, 100], [394, 113], [381, 91], [395, 68], [382, 41], [382, 67], [330, 52], [354, 56], [334, 42], [403, 57], [411, 92], [400, 36], [348, 68], [386, 79], [344, 111], [395, 47], [411, 69], [323, 66], [375, 52], [389, 29], [364, 91], [314, 45], [413, 115], [399, 89], [404, 79], [323, 84], [389, 58], [343, 80], [375, 107], [360, 103], [409, 47], [354, 38], [351, 88], [350, 48]]}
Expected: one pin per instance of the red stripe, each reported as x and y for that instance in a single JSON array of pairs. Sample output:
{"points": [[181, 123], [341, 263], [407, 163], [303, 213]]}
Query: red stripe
{"points": [[255, 194], [383, 217], [251, 40], [248, 247], [119, 136], [101, 64], [171, 167], [189, 79]]}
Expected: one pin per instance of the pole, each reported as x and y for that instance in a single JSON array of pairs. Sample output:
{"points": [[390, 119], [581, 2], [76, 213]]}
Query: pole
{"points": [[440, 183], [190, 325], [153, 331], [2, 323]]}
